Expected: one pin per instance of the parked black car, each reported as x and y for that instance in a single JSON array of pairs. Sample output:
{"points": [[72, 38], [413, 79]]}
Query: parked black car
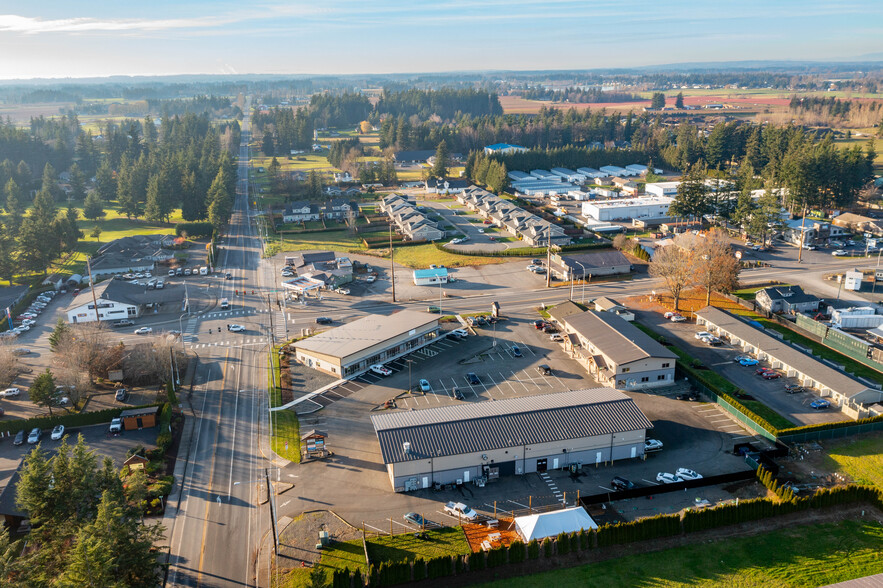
{"points": [[472, 378], [323, 320], [458, 394], [620, 483]]}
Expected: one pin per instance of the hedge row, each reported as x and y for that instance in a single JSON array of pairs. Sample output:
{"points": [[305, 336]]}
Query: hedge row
{"points": [[389, 574], [525, 251], [194, 230], [78, 419], [827, 426]]}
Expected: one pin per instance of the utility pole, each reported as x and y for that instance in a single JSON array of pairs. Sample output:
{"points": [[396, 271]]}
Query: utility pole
{"points": [[92, 287], [392, 265], [802, 235], [549, 260]]}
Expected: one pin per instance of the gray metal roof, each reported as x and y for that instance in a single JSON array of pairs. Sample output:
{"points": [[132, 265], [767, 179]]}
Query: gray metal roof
{"points": [[483, 426], [782, 351], [365, 332], [615, 337]]}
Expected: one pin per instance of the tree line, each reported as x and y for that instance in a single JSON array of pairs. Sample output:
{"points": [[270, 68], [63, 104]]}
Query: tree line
{"points": [[579, 95]]}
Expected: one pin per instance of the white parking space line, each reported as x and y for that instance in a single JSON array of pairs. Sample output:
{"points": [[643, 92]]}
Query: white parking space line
{"points": [[474, 393], [526, 347], [743, 437], [517, 379], [519, 504], [649, 482], [606, 489], [492, 380], [400, 524], [445, 388], [499, 510]]}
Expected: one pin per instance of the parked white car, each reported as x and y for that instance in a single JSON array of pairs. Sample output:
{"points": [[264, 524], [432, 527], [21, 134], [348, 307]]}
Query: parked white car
{"points": [[144, 331], [10, 392], [667, 478], [687, 474], [651, 445], [458, 509], [702, 334]]}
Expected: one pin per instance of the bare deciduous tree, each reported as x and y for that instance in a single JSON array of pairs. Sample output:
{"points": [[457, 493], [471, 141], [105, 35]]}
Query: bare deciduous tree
{"points": [[716, 267], [10, 366], [675, 266]]}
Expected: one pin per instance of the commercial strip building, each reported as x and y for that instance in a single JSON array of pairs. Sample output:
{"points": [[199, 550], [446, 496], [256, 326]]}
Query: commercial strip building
{"points": [[465, 442], [588, 265], [614, 351], [627, 208], [353, 347], [812, 373], [119, 300]]}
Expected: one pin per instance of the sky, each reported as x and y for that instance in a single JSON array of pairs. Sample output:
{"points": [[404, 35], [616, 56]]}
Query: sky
{"points": [[85, 38]]}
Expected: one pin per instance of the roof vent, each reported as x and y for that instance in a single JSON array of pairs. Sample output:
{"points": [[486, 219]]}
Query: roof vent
{"points": [[406, 447]]}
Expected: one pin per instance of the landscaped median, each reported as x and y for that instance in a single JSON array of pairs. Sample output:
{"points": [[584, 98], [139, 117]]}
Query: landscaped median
{"points": [[284, 425]]}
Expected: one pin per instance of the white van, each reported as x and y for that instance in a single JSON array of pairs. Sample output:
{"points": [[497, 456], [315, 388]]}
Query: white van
{"points": [[203, 271], [225, 304]]}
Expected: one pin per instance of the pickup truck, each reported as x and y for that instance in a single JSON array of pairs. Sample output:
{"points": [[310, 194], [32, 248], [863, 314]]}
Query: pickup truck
{"points": [[460, 510], [116, 425]]}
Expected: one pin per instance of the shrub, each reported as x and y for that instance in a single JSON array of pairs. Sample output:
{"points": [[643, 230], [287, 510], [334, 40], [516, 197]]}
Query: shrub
{"points": [[497, 557], [547, 547], [585, 540], [562, 542], [195, 230], [341, 578], [476, 561], [574, 542], [533, 549], [516, 552], [438, 567]]}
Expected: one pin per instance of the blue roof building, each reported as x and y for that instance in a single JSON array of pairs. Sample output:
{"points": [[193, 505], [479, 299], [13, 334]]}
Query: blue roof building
{"points": [[428, 277]]}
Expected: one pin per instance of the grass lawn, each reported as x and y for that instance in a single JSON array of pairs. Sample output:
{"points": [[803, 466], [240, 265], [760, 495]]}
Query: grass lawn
{"points": [[335, 240], [859, 457], [812, 555], [286, 430], [449, 541], [421, 256]]}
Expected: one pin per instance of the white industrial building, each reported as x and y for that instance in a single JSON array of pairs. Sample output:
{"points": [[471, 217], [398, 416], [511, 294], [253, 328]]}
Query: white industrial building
{"points": [[627, 208], [591, 172], [662, 188], [569, 175], [862, 317], [542, 174], [520, 176], [614, 170], [538, 187]]}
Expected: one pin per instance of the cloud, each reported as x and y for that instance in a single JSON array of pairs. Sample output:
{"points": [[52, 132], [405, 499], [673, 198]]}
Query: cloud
{"points": [[32, 26]]}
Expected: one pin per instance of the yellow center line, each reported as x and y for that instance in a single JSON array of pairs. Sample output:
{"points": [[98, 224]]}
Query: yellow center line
{"points": [[208, 502]]}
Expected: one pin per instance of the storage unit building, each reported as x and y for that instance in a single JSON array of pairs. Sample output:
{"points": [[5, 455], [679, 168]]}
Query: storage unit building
{"points": [[351, 348], [465, 442], [812, 373], [139, 418]]}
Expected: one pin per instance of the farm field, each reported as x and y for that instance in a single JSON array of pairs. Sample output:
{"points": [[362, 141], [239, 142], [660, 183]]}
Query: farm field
{"points": [[421, 256]]}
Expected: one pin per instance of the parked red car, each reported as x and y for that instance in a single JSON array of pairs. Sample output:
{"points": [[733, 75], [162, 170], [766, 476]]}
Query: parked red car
{"points": [[771, 375], [762, 370], [539, 324]]}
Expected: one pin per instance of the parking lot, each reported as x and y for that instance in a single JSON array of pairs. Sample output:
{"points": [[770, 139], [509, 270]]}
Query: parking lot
{"points": [[794, 407], [695, 435]]}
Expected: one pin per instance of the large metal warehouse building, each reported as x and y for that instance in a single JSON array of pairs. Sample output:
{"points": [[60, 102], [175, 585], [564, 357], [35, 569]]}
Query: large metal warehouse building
{"points": [[459, 444], [374, 339]]}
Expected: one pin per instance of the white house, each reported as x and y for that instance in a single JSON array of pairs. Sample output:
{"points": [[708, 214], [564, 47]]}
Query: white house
{"points": [[430, 277], [300, 211]]}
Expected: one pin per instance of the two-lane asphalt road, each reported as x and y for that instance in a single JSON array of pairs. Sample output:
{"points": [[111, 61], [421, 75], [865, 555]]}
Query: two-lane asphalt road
{"points": [[215, 535]]}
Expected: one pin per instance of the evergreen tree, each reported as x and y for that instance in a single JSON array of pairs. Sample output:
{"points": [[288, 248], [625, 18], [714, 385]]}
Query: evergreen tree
{"points": [[23, 176], [692, 198], [106, 183], [273, 171], [78, 183], [442, 161], [658, 100], [59, 333], [220, 201], [154, 209], [72, 232], [43, 392], [50, 182], [679, 100], [14, 205], [92, 207], [34, 492], [8, 256], [268, 146]]}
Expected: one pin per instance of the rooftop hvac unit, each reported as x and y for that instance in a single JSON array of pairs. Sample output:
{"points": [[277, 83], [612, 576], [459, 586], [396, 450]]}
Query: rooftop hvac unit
{"points": [[406, 447]]}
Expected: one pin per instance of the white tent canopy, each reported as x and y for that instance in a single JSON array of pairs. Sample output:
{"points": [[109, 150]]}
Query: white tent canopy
{"points": [[550, 524]]}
